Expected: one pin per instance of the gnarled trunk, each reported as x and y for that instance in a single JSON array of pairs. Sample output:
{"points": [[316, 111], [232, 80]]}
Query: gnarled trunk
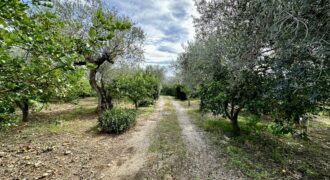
{"points": [[233, 116], [24, 107], [104, 97]]}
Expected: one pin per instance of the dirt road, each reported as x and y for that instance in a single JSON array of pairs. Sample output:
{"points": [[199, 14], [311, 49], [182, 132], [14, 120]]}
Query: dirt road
{"points": [[203, 161]]}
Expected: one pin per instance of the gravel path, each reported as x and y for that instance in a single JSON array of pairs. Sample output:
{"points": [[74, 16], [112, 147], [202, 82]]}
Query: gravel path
{"points": [[203, 161]]}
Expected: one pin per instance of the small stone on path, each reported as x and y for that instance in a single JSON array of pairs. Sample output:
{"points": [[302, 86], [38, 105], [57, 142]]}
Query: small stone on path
{"points": [[2, 154], [67, 152]]}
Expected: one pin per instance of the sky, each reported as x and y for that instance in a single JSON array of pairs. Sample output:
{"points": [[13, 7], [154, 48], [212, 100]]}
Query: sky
{"points": [[167, 23]]}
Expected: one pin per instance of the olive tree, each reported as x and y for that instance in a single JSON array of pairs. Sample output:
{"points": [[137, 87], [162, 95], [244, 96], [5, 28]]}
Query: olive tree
{"points": [[226, 56], [105, 37]]}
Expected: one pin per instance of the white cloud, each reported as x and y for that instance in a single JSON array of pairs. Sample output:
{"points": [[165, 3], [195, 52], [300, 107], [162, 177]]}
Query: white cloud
{"points": [[167, 24]]}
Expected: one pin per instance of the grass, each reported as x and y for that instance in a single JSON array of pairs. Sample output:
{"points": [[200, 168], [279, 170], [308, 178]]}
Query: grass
{"points": [[262, 155], [65, 121], [167, 142], [145, 111]]}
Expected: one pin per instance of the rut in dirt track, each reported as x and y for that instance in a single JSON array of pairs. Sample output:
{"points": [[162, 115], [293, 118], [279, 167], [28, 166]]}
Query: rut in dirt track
{"points": [[203, 161]]}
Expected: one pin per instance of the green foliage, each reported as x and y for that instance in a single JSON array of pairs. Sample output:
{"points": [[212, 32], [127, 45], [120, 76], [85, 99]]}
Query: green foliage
{"points": [[91, 66], [212, 97], [116, 120], [7, 117], [146, 102], [253, 123], [102, 30], [181, 92], [138, 86], [156, 74], [281, 128], [168, 90], [77, 87], [36, 55]]}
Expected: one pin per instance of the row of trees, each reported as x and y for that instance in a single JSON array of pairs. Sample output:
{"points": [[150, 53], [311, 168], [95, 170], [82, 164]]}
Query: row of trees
{"points": [[47, 46], [261, 56]]}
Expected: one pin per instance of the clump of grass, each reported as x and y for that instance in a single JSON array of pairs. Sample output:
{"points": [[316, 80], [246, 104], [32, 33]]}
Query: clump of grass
{"points": [[145, 111], [220, 126]]}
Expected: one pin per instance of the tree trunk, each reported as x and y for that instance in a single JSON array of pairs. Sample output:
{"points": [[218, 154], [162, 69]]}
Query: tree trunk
{"points": [[24, 107], [136, 105], [234, 121], [25, 112], [201, 106], [233, 116], [104, 97], [189, 102]]}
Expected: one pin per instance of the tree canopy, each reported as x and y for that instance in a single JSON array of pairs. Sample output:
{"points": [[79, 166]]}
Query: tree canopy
{"points": [[264, 57], [44, 43]]}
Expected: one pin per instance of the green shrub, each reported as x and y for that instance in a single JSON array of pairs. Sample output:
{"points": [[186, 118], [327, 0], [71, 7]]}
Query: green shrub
{"points": [[7, 115], [168, 91], [280, 128], [146, 103], [254, 125], [116, 120], [181, 92]]}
